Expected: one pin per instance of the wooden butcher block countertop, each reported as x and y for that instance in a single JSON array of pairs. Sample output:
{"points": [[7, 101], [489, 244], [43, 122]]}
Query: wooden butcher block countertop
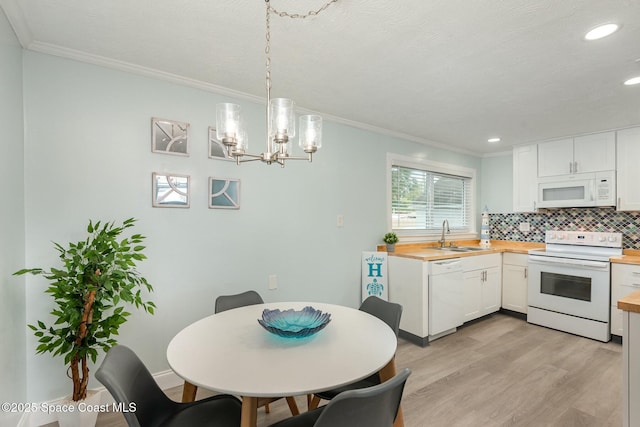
{"points": [[430, 251]]}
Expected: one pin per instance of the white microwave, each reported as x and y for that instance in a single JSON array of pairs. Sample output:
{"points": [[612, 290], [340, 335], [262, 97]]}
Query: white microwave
{"points": [[577, 190]]}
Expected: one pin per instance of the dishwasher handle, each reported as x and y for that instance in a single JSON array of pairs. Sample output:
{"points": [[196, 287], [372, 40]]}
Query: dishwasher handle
{"points": [[445, 266], [448, 262]]}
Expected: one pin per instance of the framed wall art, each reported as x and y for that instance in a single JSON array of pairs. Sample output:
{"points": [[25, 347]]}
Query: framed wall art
{"points": [[170, 190], [217, 150], [224, 193], [169, 137]]}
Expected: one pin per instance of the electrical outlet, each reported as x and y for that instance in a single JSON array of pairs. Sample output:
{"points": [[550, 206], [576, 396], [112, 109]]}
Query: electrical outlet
{"points": [[524, 227], [273, 281]]}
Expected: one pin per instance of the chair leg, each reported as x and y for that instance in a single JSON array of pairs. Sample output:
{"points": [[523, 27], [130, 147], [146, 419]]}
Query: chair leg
{"points": [[189, 392], [387, 372], [266, 409], [293, 406], [313, 404]]}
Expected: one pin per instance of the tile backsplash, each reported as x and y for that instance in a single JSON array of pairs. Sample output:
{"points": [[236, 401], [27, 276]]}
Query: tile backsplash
{"points": [[507, 226]]}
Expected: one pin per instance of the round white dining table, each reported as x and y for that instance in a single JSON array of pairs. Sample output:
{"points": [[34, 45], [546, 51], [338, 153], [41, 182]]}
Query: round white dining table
{"points": [[229, 352]]}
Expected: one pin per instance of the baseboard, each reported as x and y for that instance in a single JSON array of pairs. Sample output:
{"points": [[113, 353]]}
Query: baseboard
{"points": [[165, 379], [421, 341]]}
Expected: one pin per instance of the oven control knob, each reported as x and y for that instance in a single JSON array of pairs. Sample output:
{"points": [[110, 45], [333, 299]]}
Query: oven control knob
{"points": [[552, 236], [612, 238], [560, 236], [602, 239]]}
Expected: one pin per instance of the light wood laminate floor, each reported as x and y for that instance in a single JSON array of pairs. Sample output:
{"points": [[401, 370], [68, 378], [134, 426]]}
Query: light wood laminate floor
{"points": [[498, 371]]}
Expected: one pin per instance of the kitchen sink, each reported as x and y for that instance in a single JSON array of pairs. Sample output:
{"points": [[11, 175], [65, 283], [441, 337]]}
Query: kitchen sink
{"points": [[457, 248]]}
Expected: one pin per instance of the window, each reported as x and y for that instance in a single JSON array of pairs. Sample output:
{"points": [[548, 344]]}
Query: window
{"points": [[425, 194]]}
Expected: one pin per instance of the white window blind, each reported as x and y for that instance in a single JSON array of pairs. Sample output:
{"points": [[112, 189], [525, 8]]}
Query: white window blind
{"points": [[423, 199]]}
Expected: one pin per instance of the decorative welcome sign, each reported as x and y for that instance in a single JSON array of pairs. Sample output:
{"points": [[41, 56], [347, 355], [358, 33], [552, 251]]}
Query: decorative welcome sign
{"points": [[374, 275]]}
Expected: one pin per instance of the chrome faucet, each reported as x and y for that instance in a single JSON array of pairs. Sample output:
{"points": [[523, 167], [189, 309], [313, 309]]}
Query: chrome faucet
{"points": [[442, 241]]}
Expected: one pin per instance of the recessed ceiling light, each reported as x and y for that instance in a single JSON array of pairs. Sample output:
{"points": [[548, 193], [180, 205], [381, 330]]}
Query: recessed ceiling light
{"points": [[633, 81], [493, 140], [601, 31]]}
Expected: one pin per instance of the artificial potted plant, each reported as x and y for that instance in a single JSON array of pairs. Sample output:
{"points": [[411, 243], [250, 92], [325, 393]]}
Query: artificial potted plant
{"points": [[390, 239], [97, 280]]}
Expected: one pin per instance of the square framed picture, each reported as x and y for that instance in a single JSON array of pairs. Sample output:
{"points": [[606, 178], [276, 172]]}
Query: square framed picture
{"points": [[169, 137], [217, 150], [170, 190], [224, 193]]}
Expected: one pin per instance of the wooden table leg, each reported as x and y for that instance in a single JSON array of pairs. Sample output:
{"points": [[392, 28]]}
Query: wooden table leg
{"points": [[386, 373], [249, 417], [293, 406], [189, 392]]}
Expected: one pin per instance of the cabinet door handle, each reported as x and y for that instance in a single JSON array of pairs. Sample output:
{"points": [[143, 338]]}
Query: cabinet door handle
{"points": [[618, 205], [526, 273], [575, 167], [570, 167]]}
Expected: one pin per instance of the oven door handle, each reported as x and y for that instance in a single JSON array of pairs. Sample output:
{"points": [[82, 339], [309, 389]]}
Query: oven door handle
{"points": [[568, 261]]}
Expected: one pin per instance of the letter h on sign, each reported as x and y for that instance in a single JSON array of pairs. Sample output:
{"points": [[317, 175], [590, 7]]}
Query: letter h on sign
{"points": [[377, 269]]}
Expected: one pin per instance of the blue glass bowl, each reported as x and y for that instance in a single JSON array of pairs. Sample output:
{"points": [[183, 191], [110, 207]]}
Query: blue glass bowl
{"points": [[294, 323]]}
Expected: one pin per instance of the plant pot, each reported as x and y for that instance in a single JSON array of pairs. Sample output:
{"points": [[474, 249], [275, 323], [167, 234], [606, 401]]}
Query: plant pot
{"points": [[85, 412], [391, 247]]}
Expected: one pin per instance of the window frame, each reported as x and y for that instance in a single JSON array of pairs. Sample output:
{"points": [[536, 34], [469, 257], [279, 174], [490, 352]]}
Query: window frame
{"points": [[436, 167]]}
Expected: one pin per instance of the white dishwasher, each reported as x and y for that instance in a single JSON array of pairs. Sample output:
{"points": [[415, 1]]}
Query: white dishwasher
{"points": [[445, 297]]}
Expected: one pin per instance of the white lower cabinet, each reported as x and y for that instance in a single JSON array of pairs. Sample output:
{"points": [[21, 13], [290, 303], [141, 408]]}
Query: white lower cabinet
{"points": [[514, 282], [409, 287], [482, 279], [625, 280], [631, 369]]}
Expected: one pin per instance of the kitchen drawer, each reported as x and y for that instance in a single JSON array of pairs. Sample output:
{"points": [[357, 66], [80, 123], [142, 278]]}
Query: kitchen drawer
{"points": [[625, 280], [619, 291], [515, 259], [479, 262]]}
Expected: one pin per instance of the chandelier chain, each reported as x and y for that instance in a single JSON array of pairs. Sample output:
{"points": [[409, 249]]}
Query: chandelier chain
{"points": [[301, 16], [267, 49]]}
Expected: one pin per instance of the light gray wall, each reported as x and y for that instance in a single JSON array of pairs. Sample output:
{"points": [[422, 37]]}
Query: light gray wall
{"points": [[496, 188], [88, 155], [12, 292]]}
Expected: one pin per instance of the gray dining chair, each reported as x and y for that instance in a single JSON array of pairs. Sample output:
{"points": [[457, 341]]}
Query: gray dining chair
{"points": [[130, 383], [375, 406], [228, 302], [390, 313]]}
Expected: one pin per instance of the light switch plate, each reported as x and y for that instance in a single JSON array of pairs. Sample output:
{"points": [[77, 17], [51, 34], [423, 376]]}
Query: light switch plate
{"points": [[273, 281], [524, 226]]}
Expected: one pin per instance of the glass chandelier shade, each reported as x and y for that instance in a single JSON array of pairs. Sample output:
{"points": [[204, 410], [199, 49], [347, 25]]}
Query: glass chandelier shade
{"points": [[310, 138], [227, 122], [283, 120]]}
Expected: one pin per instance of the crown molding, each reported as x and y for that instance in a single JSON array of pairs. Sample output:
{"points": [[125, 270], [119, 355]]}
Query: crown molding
{"points": [[80, 56], [16, 19]]}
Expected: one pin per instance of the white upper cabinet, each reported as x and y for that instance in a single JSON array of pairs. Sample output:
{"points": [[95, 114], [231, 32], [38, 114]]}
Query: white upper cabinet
{"points": [[628, 171], [589, 153], [555, 157], [595, 153], [525, 178]]}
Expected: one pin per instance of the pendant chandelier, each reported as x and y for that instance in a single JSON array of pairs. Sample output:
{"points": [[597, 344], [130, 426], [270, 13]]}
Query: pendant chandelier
{"points": [[280, 114]]}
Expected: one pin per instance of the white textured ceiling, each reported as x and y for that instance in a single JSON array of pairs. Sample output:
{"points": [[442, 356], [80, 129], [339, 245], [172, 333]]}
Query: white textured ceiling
{"points": [[453, 72]]}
